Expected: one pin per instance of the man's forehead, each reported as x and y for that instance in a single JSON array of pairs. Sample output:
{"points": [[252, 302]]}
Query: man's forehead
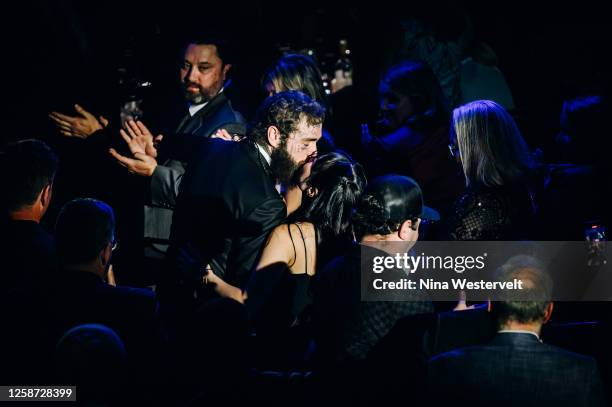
{"points": [[202, 52], [308, 130]]}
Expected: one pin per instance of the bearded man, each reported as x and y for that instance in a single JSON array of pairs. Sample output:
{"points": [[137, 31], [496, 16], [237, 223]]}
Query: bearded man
{"points": [[230, 198]]}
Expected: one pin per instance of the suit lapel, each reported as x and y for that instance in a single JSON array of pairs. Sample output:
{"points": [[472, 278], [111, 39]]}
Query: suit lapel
{"points": [[191, 125]]}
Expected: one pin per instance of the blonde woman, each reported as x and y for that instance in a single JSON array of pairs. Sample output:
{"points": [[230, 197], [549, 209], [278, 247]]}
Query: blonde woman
{"points": [[499, 202]]}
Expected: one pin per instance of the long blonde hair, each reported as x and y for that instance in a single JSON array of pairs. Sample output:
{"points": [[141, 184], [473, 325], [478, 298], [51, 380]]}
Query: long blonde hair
{"points": [[492, 149]]}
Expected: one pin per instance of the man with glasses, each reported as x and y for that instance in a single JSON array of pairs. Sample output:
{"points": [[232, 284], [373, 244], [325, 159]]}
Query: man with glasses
{"points": [[85, 238]]}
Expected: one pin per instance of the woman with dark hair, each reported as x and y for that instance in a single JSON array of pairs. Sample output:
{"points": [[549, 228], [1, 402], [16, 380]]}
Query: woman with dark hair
{"points": [[500, 175], [413, 133], [299, 72], [279, 293]]}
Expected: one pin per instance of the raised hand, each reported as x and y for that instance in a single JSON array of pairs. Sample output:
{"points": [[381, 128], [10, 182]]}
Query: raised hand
{"points": [[81, 126], [462, 303], [139, 139], [142, 164]]}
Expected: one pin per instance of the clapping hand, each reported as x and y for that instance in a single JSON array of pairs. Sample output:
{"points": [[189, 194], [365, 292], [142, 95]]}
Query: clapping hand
{"points": [[81, 126], [142, 145]]}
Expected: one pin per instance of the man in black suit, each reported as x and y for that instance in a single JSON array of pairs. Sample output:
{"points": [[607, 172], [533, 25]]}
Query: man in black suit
{"points": [[516, 368], [208, 112], [27, 171], [230, 198], [85, 239]]}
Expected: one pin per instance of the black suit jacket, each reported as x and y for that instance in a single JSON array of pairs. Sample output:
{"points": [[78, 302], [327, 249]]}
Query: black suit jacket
{"points": [[227, 206], [80, 297], [515, 369], [174, 155], [28, 265]]}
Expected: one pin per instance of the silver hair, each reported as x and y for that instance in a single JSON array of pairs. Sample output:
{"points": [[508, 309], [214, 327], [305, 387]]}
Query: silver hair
{"points": [[491, 147]]}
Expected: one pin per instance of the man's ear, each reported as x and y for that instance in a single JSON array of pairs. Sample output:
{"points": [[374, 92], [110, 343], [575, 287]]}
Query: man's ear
{"points": [[105, 254], [45, 195], [405, 230], [489, 306], [274, 136], [408, 228], [225, 69], [548, 313]]}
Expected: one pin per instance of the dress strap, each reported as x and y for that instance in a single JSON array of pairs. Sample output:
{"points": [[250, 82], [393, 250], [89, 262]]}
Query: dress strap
{"points": [[305, 251]]}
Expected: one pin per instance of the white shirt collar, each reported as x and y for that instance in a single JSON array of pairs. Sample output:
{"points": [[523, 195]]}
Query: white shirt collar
{"points": [[265, 154], [518, 331], [193, 109], [268, 159]]}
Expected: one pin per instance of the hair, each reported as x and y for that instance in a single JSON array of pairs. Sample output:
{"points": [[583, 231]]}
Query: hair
{"points": [[492, 149], [88, 355], [285, 110], [83, 228], [531, 303], [224, 46], [388, 201], [340, 181], [297, 72], [416, 80], [26, 166]]}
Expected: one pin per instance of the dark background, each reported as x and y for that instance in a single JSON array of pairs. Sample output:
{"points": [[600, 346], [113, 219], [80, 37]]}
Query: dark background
{"points": [[68, 52]]}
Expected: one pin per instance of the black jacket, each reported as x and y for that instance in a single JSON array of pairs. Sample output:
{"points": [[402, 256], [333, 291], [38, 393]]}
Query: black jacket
{"points": [[515, 369], [165, 182], [227, 206]]}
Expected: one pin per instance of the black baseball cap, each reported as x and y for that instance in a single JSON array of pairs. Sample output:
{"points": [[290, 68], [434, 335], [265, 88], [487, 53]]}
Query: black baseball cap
{"points": [[401, 197]]}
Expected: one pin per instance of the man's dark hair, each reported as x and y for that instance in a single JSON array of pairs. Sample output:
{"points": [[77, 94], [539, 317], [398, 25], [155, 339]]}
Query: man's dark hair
{"points": [[27, 166], [223, 44], [83, 228], [530, 303], [284, 110]]}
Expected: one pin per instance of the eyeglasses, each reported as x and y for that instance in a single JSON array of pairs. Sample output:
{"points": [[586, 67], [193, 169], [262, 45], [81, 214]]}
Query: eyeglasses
{"points": [[114, 243]]}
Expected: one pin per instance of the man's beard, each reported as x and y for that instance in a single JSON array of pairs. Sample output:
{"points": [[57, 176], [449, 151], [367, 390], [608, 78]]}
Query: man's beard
{"points": [[201, 96], [283, 166]]}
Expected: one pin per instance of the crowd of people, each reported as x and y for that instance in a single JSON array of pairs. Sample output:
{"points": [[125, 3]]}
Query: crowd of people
{"points": [[220, 261]]}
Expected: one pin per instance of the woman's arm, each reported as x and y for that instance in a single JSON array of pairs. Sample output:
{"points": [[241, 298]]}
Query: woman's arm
{"points": [[222, 288]]}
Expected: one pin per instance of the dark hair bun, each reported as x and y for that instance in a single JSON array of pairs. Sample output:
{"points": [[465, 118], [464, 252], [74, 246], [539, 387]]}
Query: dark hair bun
{"points": [[370, 217]]}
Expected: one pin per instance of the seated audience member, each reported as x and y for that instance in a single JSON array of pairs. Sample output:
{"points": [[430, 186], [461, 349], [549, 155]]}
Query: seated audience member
{"points": [[413, 136], [93, 358], [390, 210], [300, 72], [516, 368], [85, 238], [499, 202], [347, 329], [27, 170], [280, 290]]}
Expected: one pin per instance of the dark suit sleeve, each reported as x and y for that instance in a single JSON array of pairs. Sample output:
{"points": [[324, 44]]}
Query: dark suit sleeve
{"points": [[165, 183], [595, 395], [260, 222]]}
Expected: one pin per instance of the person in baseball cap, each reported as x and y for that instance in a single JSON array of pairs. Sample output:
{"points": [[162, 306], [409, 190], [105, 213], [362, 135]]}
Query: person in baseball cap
{"points": [[392, 205]]}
